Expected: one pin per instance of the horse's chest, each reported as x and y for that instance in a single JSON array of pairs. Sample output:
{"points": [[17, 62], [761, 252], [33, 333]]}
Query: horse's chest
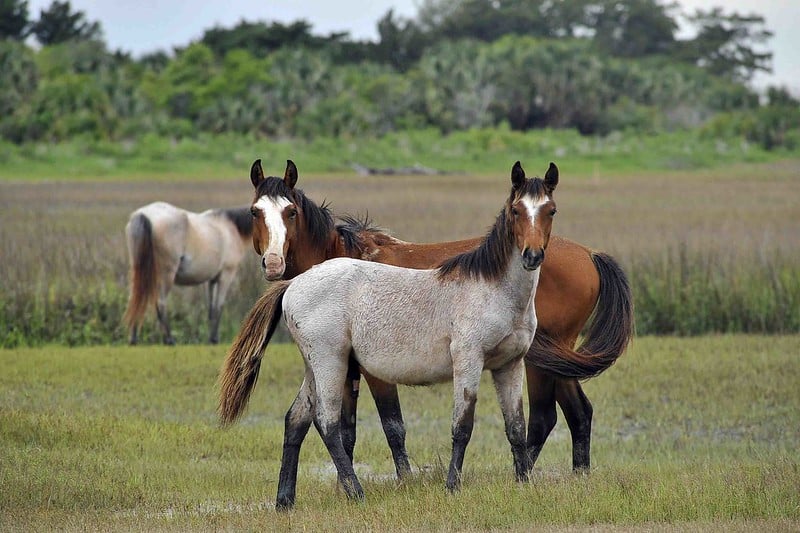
{"points": [[510, 347]]}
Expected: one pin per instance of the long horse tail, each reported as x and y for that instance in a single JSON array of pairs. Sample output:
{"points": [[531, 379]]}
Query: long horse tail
{"points": [[143, 272], [609, 333], [240, 370]]}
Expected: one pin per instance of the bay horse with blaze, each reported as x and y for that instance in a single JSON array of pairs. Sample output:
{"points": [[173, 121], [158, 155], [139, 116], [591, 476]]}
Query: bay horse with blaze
{"points": [[406, 326]]}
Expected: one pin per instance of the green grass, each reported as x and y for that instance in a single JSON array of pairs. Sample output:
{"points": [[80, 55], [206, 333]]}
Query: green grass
{"points": [[698, 433], [466, 152]]}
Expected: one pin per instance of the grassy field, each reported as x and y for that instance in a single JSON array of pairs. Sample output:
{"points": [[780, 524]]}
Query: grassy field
{"points": [[689, 434], [477, 151], [714, 250]]}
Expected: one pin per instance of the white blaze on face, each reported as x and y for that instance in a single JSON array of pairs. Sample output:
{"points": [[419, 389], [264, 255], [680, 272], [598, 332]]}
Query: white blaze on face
{"points": [[273, 217], [532, 206]]}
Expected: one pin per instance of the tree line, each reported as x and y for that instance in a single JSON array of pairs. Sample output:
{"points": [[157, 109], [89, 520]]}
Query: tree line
{"points": [[593, 65]]}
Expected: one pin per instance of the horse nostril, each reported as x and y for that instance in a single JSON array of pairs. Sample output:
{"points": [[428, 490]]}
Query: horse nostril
{"points": [[532, 260], [264, 262]]}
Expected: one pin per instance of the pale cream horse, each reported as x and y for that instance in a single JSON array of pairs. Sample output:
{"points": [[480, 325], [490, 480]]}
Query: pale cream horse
{"points": [[170, 246]]}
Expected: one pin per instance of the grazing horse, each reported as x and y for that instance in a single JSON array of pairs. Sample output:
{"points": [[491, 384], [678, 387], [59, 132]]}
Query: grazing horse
{"points": [[292, 234], [406, 326], [170, 246]]}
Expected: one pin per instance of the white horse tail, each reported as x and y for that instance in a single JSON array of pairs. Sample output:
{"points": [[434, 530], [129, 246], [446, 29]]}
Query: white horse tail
{"points": [[143, 272], [240, 370]]}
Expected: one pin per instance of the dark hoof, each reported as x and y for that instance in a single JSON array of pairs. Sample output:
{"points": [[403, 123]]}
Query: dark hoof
{"points": [[452, 488], [284, 504]]}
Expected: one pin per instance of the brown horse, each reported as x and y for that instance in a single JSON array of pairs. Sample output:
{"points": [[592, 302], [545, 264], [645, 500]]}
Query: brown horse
{"points": [[170, 246], [292, 234]]}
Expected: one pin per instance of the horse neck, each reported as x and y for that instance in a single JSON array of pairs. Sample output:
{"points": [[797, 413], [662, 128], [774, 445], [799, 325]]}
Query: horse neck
{"points": [[519, 282], [305, 254]]}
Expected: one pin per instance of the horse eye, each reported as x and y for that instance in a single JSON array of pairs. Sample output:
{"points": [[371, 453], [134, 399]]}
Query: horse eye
{"points": [[514, 211], [553, 212], [254, 212], [292, 214]]}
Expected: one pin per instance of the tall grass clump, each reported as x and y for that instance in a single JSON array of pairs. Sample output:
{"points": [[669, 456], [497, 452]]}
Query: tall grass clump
{"points": [[691, 292]]}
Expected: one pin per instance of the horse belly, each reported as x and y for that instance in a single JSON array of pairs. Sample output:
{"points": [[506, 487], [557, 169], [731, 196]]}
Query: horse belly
{"points": [[407, 363], [193, 270]]}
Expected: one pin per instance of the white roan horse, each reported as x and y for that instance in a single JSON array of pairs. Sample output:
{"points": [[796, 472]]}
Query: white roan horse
{"points": [[170, 246], [405, 326]]}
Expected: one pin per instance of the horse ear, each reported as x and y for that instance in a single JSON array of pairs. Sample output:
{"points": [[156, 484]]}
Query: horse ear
{"points": [[517, 176], [290, 176], [256, 173], [551, 178]]}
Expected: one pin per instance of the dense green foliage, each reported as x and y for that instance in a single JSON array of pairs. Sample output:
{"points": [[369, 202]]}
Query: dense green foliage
{"points": [[595, 66]]}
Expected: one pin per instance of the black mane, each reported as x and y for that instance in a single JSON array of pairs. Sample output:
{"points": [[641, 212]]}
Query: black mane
{"points": [[241, 218], [487, 261], [350, 228], [490, 259], [318, 217]]}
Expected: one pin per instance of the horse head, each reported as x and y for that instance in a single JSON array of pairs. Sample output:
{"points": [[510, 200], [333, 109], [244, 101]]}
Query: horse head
{"points": [[530, 210], [276, 217]]}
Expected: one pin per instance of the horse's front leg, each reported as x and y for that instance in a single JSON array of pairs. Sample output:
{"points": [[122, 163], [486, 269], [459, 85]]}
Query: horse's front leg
{"points": [[296, 423], [466, 378], [388, 404], [508, 383]]}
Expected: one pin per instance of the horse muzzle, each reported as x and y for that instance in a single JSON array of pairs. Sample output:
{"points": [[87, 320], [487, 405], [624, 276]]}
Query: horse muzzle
{"points": [[532, 260], [273, 265]]}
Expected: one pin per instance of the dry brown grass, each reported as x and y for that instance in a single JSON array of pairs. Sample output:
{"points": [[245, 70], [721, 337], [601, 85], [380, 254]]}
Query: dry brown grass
{"points": [[70, 235]]}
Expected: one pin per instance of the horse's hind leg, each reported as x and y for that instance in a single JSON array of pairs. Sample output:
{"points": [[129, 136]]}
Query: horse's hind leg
{"points": [[330, 371], [508, 383], [388, 404], [161, 312], [578, 411], [350, 406], [296, 423], [166, 280], [541, 397], [218, 292]]}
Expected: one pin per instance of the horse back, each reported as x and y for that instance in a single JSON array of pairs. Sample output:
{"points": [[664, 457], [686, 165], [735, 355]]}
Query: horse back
{"points": [[416, 255]]}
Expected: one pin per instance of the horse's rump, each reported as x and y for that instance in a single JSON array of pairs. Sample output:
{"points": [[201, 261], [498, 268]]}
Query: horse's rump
{"points": [[610, 329]]}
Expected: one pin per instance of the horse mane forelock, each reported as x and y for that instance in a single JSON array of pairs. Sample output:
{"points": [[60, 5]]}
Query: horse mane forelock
{"points": [[490, 259], [318, 217]]}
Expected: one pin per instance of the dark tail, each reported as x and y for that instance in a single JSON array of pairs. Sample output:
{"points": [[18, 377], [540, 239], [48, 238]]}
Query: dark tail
{"points": [[240, 370], [610, 329], [143, 272]]}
